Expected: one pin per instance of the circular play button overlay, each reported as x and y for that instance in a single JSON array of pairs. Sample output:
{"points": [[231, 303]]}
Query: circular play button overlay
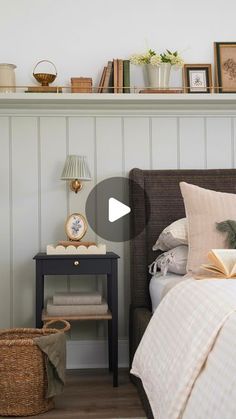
{"points": [[110, 211]]}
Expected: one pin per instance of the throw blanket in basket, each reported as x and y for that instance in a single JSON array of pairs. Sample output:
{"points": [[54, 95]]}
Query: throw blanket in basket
{"points": [[54, 346], [187, 359]]}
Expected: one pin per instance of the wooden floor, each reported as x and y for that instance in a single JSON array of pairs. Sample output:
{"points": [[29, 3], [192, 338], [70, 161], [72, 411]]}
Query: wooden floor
{"points": [[89, 394]]}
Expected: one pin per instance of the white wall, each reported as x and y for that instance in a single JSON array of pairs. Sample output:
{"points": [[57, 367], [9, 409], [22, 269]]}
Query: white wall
{"points": [[79, 36]]}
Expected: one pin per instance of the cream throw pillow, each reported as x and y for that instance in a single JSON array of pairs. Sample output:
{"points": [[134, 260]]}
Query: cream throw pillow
{"points": [[173, 235], [203, 209]]}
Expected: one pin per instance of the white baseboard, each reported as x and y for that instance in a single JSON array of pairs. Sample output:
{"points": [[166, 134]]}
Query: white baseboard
{"points": [[94, 354]]}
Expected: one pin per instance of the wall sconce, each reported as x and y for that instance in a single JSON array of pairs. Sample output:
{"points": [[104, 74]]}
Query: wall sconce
{"points": [[76, 169]]}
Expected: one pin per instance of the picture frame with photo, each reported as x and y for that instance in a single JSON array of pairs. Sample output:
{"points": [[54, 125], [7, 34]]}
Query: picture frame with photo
{"points": [[197, 78], [225, 67], [76, 226]]}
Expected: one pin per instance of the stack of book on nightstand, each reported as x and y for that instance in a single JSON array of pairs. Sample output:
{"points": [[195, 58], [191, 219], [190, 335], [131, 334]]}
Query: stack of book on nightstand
{"points": [[76, 304]]}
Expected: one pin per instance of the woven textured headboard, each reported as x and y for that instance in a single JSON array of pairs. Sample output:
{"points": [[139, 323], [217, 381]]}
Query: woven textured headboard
{"points": [[162, 189]]}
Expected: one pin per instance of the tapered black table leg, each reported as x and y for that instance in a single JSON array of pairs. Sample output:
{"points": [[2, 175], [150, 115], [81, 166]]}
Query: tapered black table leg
{"points": [[39, 295], [113, 300], [110, 345]]}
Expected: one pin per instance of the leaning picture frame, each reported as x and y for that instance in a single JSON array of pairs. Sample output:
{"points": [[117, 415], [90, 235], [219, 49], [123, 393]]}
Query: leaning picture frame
{"points": [[225, 67], [197, 78], [76, 226]]}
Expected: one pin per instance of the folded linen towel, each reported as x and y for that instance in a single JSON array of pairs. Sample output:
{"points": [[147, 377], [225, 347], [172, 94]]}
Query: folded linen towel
{"points": [[75, 298], [54, 346], [74, 310]]}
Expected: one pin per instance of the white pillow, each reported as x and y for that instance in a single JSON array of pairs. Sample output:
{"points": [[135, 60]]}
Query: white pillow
{"points": [[173, 235], [175, 260]]}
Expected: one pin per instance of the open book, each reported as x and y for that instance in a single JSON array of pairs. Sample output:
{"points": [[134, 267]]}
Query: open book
{"points": [[222, 263]]}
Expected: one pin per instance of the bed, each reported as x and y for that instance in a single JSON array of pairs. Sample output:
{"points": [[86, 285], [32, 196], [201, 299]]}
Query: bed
{"points": [[160, 195]]}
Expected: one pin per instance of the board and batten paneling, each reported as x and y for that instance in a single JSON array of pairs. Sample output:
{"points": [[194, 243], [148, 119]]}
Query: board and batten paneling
{"points": [[109, 163], [81, 141], [137, 143], [165, 150], [25, 217], [220, 153], [6, 289], [136, 153], [192, 143], [35, 202], [53, 197]]}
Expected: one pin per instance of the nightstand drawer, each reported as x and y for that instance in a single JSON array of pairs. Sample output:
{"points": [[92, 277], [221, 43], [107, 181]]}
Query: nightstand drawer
{"points": [[76, 266]]}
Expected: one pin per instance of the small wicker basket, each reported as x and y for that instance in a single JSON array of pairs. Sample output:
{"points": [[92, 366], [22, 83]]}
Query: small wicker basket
{"points": [[45, 78], [23, 378]]}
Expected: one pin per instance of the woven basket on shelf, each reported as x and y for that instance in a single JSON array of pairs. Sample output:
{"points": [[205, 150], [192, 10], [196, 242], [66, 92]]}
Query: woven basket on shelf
{"points": [[23, 378]]}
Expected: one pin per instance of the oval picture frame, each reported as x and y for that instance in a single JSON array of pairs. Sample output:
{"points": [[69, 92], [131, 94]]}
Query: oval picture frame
{"points": [[76, 226]]}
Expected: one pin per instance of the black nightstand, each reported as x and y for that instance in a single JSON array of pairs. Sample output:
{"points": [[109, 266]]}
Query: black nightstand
{"points": [[82, 265]]}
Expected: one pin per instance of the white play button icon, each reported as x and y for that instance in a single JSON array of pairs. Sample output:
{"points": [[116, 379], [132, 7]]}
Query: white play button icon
{"points": [[116, 209], [109, 209]]}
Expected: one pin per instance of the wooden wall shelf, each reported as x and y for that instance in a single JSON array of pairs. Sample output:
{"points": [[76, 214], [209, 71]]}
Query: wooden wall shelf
{"points": [[113, 103]]}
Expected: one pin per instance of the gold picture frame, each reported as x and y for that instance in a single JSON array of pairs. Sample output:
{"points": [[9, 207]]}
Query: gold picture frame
{"points": [[76, 226], [225, 67], [197, 78]]}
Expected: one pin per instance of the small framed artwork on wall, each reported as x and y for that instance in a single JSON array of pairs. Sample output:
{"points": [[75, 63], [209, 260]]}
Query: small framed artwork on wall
{"points": [[197, 78], [225, 66]]}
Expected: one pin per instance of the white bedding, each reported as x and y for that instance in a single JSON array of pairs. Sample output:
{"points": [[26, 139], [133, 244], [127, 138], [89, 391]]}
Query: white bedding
{"points": [[159, 285], [186, 358]]}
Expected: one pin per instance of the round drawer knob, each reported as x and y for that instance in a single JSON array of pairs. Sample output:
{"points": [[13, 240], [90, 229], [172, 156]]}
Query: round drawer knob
{"points": [[76, 263]]}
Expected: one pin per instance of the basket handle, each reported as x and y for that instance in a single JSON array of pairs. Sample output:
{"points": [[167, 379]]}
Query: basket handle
{"points": [[45, 61], [66, 324]]}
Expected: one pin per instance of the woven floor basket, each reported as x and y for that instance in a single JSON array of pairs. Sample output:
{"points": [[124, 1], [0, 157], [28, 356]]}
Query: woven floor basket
{"points": [[23, 379]]}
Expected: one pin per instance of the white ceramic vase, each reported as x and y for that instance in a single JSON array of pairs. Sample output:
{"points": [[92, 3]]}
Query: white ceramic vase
{"points": [[7, 78], [157, 77]]}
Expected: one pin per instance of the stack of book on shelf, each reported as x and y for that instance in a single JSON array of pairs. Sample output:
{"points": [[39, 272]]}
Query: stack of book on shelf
{"points": [[115, 77], [76, 304], [81, 85]]}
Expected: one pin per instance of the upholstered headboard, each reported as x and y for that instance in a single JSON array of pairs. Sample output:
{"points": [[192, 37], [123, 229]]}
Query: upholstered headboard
{"points": [[161, 188]]}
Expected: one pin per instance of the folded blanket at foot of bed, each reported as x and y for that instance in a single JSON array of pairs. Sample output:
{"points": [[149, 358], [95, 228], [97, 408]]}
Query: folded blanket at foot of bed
{"points": [[186, 358]]}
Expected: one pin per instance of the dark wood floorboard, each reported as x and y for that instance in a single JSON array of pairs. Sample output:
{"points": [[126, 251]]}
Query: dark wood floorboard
{"points": [[89, 394]]}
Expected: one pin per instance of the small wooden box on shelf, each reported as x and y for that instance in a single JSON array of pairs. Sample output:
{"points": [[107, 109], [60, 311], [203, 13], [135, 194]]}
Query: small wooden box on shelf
{"points": [[81, 85]]}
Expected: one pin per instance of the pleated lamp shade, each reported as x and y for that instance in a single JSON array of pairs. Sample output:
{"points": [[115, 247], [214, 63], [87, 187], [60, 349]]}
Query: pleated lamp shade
{"points": [[76, 169]]}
